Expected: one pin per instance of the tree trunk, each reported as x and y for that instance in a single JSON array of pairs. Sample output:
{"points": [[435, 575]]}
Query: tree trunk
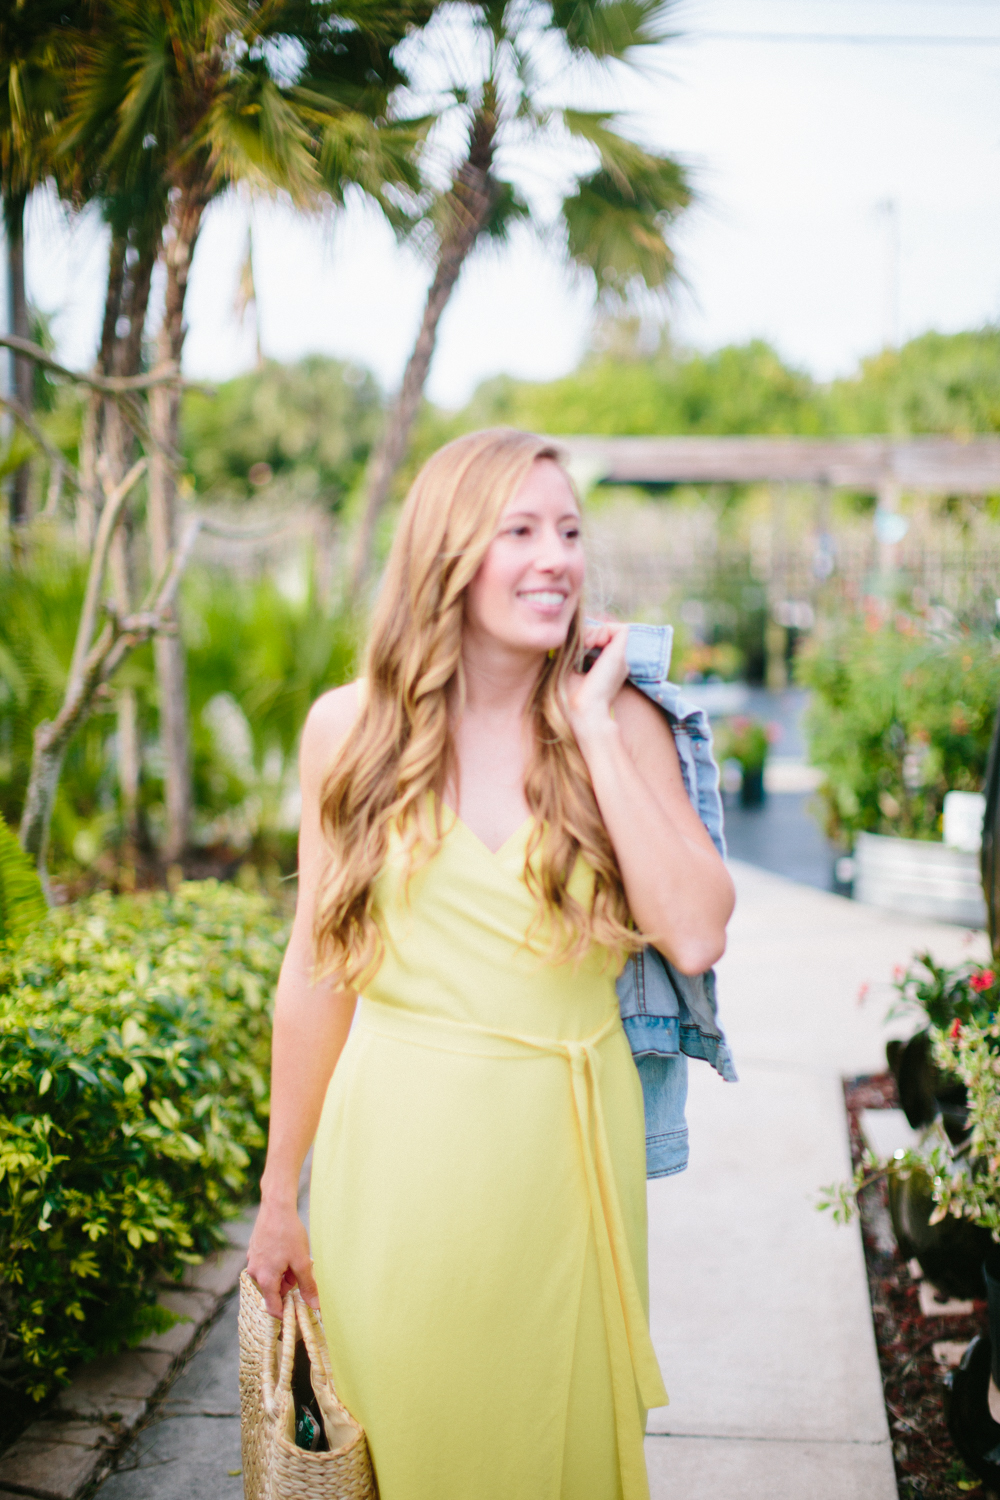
{"points": [[112, 303], [121, 354], [98, 413], [127, 745], [164, 420], [86, 507], [17, 322], [471, 200]]}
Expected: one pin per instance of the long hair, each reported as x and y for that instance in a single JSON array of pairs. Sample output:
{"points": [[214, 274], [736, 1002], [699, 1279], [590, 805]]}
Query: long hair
{"points": [[395, 764]]}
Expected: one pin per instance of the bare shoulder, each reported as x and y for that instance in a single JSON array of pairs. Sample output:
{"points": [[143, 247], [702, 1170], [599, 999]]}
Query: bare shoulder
{"points": [[327, 724], [642, 724]]}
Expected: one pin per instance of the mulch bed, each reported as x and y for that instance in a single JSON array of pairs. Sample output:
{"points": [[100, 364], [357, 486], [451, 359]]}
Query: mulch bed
{"points": [[927, 1464]]}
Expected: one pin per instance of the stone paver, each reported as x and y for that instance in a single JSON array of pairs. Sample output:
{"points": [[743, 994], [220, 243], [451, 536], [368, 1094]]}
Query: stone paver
{"points": [[191, 1447], [753, 1469], [53, 1459], [759, 1304]]}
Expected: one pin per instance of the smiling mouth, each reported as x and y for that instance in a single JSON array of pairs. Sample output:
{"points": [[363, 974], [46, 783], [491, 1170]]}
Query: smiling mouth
{"points": [[544, 598]]}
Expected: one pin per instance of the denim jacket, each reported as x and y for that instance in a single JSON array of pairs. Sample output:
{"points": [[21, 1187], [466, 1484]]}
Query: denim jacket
{"points": [[669, 1016]]}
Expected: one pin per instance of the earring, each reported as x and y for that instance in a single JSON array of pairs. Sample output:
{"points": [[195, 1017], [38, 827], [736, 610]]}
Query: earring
{"points": [[552, 652]]}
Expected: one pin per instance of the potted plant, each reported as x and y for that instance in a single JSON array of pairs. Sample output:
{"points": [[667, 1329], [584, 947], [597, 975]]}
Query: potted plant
{"points": [[934, 1096], [746, 741], [899, 716], [940, 997]]}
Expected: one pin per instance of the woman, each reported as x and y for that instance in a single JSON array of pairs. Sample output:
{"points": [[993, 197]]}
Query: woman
{"points": [[486, 832]]}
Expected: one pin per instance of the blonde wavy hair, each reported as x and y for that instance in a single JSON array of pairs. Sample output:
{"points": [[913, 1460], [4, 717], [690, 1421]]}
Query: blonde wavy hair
{"points": [[396, 762]]}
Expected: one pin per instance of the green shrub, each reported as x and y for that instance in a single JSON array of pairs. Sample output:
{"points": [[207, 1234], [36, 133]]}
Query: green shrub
{"points": [[134, 1036], [898, 716]]}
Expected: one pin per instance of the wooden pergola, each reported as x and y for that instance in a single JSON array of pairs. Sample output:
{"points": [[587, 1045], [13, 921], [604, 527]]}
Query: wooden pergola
{"points": [[883, 466]]}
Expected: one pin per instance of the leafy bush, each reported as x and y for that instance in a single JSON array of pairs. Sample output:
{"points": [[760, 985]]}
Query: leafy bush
{"points": [[899, 716], [270, 655], [134, 1035]]}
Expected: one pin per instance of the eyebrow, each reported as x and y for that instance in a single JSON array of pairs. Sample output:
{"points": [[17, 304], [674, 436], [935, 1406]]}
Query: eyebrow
{"points": [[569, 515]]}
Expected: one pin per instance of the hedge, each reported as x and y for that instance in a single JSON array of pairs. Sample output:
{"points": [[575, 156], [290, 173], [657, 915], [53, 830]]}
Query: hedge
{"points": [[134, 1039], [898, 716]]}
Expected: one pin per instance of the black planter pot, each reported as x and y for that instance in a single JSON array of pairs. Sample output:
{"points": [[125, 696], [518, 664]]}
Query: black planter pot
{"points": [[966, 1403], [967, 1412], [924, 1091], [951, 1252], [752, 787]]}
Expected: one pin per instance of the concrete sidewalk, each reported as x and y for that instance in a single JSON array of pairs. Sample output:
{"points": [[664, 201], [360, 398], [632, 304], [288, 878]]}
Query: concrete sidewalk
{"points": [[760, 1308]]}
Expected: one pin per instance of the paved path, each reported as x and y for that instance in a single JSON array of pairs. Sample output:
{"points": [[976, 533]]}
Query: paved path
{"points": [[759, 1304], [760, 1309]]}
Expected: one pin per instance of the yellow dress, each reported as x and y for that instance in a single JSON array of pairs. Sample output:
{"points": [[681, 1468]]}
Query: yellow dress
{"points": [[478, 1202]]}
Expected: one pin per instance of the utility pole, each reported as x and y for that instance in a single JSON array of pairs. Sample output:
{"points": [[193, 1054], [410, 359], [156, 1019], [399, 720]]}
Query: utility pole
{"points": [[889, 209]]}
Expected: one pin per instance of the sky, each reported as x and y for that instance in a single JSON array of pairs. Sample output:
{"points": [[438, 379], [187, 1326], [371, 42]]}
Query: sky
{"points": [[849, 195]]}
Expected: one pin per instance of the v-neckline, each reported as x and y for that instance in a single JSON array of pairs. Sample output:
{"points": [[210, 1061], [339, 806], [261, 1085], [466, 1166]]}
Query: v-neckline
{"points": [[493, 853]]}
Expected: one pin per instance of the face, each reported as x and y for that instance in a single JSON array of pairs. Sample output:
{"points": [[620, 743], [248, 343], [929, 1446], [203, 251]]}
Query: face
{"points": [[529, 583]]}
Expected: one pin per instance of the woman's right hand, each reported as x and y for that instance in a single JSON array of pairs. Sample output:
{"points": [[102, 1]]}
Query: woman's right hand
{"points": [[278, 1257]]}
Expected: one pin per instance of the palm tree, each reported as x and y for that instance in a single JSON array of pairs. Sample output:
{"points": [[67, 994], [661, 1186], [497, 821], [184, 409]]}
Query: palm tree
{"points": [[203, 90], [614, 221], [32, 54]]}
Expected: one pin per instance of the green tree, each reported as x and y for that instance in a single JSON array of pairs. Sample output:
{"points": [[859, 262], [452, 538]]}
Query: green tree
{"points": [[947, 383], [215, 92], [738, 389], [309, 426], [33, 55], [615, 218]]}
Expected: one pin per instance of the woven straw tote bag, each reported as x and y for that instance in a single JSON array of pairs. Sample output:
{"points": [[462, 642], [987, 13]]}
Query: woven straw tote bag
{"points": [[273, 1467]]}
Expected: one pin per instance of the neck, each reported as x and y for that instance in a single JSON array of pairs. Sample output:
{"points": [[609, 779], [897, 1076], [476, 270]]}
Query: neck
{"points": [[498, 680]]}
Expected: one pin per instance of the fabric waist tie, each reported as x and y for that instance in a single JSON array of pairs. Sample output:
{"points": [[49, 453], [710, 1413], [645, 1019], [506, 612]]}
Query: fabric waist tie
{"points": [[634, 1366]]}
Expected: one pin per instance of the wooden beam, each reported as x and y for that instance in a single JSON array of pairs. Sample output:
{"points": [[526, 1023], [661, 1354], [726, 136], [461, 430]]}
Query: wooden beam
{"points": [[867, 463]]}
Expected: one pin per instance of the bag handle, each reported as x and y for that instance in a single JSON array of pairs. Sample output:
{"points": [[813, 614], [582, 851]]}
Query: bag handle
{"points": [[312, 1335], [270, 1389]]}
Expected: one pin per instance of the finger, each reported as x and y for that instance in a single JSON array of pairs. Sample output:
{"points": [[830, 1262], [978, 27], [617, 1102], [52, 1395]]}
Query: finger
{"points": [[272, 1295], [596, 635], [307, 1284], [269, 1284]]}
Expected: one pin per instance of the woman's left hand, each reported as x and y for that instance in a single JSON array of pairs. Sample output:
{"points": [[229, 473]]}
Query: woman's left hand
{"points": [[590, 695]]}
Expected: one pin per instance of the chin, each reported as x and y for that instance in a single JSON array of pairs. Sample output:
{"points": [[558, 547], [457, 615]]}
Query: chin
{"points": [[550, 638]]}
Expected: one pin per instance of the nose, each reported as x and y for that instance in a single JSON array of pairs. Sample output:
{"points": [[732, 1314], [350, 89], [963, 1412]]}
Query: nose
{"points": [[551, 555]]}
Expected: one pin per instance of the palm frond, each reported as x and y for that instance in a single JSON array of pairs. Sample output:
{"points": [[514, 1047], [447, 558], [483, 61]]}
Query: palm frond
{"points": [[612, 28], [254, 134], [22, 900], [353, 151], [616, 229]]}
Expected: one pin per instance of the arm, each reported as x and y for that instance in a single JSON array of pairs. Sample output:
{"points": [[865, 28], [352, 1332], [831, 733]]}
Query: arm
{"points": [[678, 888], [311, 1023]]}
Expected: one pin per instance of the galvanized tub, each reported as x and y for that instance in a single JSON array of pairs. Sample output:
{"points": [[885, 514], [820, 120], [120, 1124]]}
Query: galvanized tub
{"points": [[919, 878]]}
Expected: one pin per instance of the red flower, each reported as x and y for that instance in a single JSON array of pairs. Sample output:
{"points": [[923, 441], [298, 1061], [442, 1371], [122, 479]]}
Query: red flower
{"points": [[956, 1027], [985, 980]]}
